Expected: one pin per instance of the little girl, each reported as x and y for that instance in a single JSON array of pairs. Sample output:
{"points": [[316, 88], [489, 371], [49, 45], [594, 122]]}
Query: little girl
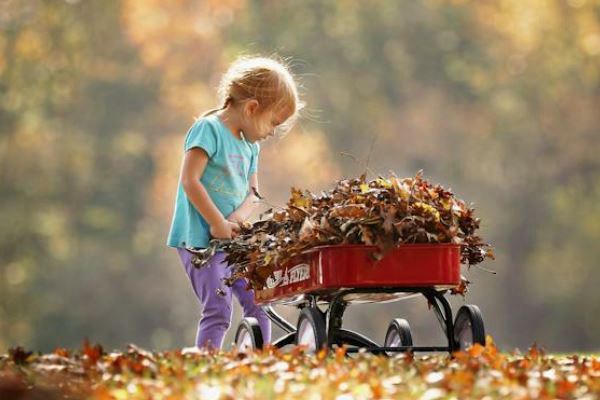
{"points": [[217, 175]]}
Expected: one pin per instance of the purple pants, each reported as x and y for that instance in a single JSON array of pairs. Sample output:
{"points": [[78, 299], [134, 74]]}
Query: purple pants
{"points": [[215, 297]]}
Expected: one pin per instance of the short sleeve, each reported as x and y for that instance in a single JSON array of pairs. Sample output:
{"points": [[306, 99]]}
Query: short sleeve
{"points": [[254, 160], [204, 135]]}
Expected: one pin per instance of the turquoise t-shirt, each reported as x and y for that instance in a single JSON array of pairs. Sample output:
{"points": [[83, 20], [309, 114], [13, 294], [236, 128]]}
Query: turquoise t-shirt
{"points": [[226, 178]]}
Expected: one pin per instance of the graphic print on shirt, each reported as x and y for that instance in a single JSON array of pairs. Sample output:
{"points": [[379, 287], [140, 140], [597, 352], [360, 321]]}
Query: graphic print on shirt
{"points": [[238, 164], [222, 182]]}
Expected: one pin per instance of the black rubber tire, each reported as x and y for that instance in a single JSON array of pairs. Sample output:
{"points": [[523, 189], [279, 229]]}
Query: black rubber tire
{"points": [[468, 319], [402, 328], [250, 325], [315, 318]]}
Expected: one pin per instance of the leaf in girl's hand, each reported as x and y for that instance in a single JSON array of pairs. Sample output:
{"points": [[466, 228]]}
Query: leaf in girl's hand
{"points": [[256, 193], [246, 225], [201, 257]]}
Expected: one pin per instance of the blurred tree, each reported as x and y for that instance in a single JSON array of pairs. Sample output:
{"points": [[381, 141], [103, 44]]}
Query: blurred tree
{"points": [[498, 100], [75, 171]]}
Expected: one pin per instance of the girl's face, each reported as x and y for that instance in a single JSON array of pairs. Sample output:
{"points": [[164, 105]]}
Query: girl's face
{"points": [[260, 126]]}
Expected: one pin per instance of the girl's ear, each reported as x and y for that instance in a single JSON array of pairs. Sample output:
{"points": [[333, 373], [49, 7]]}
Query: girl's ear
{"points": [[251, 107]]}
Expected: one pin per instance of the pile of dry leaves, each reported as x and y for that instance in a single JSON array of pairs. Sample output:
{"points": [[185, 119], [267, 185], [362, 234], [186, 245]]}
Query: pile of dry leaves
{"points": [[385, 212]]}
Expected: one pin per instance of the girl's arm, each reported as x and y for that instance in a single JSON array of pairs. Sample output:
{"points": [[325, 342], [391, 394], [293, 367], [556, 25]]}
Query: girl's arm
{"points": [[242, 213], [194, 163]]}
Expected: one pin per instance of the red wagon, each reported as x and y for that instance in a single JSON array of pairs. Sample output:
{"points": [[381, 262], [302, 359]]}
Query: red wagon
{"points": [[335, 276]]}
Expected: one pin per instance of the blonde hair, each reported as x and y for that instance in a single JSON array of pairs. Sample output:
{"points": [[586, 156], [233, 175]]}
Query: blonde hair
{"points": [[265, 79]]}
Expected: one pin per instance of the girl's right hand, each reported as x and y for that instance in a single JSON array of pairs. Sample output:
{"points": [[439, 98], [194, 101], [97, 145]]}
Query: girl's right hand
{"points": [[224, 230]]}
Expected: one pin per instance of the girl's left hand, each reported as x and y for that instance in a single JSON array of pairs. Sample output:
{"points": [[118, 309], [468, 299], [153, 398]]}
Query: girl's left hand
{"points": [[234, 218], [235, 229]]}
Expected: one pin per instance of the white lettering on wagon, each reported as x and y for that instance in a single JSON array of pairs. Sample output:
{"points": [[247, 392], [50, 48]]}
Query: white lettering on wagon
{"points": [[297, 273]]}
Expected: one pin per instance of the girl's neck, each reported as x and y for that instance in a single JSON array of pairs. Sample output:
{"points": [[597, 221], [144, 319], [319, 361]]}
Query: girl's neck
{"points": [[231, 121]]}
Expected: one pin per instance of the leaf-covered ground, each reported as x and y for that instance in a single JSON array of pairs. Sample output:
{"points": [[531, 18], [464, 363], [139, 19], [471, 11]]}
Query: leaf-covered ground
{"points": [[481, 372]]}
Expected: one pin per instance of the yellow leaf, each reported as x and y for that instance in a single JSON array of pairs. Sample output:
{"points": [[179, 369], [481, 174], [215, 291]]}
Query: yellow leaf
{"points": [[403, 191], [322, 354], [267, 259], [446, 203], [384, 183]]}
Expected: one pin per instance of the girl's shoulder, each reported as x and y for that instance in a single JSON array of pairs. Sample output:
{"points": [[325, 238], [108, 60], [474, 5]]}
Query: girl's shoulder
{"points": [[206, 126], [207, 121], [204, 133]]}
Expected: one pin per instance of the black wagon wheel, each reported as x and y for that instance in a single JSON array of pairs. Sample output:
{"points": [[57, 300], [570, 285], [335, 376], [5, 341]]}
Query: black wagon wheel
{"points": [[311, 330], [398, 334], [248, 336], [468, 327]]}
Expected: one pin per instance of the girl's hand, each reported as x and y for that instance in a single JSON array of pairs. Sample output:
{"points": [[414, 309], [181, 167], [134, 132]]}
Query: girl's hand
{"points": [[224, 230], [235, 228], [233, 217]]}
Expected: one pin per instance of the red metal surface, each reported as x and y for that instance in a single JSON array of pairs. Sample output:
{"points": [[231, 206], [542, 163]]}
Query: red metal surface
{"points": [[351, 266]]}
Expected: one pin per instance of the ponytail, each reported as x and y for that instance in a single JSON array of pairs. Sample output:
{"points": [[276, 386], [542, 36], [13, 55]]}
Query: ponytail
{"points": [[228, 100]]}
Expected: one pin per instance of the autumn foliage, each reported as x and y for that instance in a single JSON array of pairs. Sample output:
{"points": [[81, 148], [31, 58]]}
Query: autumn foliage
{"points": [[480, 371]]}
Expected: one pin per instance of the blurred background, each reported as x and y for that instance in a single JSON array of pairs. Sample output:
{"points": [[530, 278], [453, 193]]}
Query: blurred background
{"points": [[499, 101]]}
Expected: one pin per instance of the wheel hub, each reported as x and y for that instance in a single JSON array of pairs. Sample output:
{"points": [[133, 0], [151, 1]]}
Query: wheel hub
{"points": [[245, 341], [306, 336]]}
